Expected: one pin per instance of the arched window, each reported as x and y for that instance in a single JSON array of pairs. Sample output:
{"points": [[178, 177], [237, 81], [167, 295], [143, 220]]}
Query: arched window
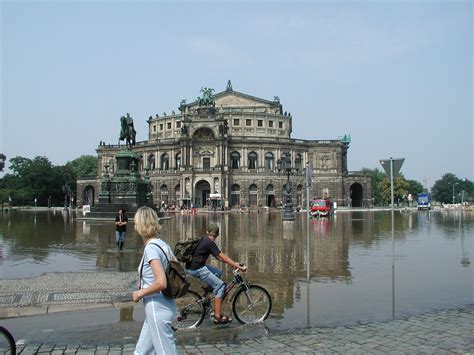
{"points": [[270, 191], [252, 160], [178, 161], [234, 160], [165, 161], [151, 162], [269, 161], [298, 162]]}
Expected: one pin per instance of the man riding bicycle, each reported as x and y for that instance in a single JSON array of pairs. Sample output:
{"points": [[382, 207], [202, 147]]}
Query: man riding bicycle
{"points": [[209, 274]]}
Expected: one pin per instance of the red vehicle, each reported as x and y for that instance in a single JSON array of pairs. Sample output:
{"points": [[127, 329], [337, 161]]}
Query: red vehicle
{"points": [[320, 207]]}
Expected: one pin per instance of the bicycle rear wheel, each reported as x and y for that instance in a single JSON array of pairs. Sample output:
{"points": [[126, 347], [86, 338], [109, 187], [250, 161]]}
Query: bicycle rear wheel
{"points": [[7, 342], [252, 305], [190, 311]]}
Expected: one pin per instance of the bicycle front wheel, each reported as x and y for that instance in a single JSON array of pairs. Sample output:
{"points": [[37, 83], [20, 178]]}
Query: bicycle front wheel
{"points": [[7, 343], [252, 305], [190, 311]]}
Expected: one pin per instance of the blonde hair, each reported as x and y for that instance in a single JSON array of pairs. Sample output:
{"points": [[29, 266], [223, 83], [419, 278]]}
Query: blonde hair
{"points": [[146, 222]]}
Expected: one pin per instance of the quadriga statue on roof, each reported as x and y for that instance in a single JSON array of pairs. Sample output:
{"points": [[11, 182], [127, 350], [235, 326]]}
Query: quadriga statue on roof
{"points": [[127, 131], [207, 98]]}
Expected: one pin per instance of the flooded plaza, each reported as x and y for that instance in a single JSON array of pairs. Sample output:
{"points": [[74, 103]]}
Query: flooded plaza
{"points": [[358, 272]]}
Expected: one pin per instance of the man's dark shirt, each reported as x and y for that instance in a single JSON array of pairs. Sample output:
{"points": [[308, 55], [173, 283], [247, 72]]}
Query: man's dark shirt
{"points": [[121, 228], [205, 248]]}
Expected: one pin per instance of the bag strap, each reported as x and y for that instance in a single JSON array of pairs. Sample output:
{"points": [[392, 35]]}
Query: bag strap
{"points": [[143, 262]]}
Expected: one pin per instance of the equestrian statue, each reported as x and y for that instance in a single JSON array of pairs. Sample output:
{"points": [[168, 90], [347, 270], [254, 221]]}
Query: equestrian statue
{"points": [[127, 132]]}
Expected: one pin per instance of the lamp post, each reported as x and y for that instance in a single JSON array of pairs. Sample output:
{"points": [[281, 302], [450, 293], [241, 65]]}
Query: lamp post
{"points": [[454, 184], [284, 164]]}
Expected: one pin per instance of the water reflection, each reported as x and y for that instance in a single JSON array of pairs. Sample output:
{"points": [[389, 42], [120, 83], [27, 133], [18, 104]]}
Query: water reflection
{"points": [[357, 271]]}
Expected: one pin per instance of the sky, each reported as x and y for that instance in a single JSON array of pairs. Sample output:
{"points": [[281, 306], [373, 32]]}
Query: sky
{"points": [[395, 75]]}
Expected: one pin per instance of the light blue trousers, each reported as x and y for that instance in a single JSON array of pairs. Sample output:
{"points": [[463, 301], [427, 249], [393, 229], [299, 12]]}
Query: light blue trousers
{"points": [[210, 275], [157, 335]]}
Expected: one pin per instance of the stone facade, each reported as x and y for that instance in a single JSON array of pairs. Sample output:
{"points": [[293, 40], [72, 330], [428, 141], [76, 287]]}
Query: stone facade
{"points": [[226, 154]]}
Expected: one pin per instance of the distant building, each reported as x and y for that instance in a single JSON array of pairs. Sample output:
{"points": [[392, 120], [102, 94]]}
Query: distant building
{"points": [[224, 150]]}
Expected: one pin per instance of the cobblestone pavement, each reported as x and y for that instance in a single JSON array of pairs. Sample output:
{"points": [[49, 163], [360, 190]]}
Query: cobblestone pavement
{"points": [[440, 332]]}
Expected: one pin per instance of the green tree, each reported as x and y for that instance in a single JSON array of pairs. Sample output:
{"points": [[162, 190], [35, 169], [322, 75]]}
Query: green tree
{"points": [[32, 179], [415, 188], [450, 186], [85, 165], [377, 177], [401, 189], [36, 178]]}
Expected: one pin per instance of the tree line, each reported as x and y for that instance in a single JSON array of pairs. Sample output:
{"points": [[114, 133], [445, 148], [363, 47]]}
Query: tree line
{"points": [[39, 180], [448, 189]]}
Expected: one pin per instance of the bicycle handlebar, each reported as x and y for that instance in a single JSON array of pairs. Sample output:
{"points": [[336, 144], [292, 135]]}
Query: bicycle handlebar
{"points": [[237, 270]]}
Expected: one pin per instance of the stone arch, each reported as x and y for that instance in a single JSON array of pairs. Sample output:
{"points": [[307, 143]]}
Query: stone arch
{"points": [[356, 194], [202, 190], [235, 160], [204, 134], [88, 195], [252, 160], [269, 161], [165, 161], [151, 162], [270, 191]]}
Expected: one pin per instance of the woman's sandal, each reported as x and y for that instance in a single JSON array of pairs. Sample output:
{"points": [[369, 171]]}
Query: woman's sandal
{"points": [[222, 320]]}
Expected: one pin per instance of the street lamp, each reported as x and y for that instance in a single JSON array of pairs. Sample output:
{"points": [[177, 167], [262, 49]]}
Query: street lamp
{"points": [[284, 164], [454, 184]]}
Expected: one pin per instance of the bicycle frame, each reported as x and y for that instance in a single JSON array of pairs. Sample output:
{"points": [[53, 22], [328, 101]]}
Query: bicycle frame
{"points": [[238, 279]]}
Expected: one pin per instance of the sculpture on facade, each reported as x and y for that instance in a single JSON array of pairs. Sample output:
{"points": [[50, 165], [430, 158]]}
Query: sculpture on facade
{"points": [[127, 131], [182, 105], [226, 126], [229, 86], [207, 98], [184, 130]]}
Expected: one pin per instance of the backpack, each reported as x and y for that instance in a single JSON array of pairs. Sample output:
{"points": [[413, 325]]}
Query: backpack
{"points": [[184, 251], [176, 282]]}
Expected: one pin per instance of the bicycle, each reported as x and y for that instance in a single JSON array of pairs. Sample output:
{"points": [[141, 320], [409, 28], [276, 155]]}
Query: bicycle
{"points": [[250, 303], [7, 342]]}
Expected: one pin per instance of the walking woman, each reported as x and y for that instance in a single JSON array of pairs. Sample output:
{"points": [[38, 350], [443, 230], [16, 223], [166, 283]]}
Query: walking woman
{"points": [[156, 336]]}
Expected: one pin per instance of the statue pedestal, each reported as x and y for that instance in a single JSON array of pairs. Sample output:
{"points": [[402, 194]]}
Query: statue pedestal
{"points": [[124, 190]]}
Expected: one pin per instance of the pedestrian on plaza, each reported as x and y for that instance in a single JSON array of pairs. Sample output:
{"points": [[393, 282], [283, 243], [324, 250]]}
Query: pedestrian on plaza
{"points": [[156, 336], [209, 274], [120, 229]]}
